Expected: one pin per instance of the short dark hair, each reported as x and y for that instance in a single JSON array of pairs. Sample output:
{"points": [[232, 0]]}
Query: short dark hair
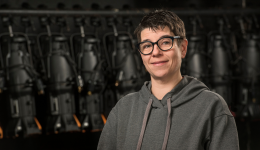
{"points": [[159, 19]]}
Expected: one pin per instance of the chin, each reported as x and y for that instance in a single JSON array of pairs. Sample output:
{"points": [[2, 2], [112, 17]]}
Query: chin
{"points": [[159, 75]]}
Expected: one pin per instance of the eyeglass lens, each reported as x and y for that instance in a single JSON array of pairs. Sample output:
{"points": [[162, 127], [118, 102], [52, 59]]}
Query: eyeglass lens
{"points": [[163, 44]]}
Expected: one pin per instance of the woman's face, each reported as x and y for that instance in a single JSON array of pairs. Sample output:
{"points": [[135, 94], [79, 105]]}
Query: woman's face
{"points": [[163, 64]]}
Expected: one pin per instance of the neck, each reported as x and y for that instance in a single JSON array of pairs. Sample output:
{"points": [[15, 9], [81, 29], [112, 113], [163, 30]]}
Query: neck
{"points": [[160, 87]]}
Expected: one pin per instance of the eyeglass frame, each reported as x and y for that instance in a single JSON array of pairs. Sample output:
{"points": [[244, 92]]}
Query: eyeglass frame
{"points": [[172, 37]]}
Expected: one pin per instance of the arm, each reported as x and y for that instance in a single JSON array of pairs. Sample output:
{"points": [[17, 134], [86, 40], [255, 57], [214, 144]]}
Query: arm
{"points": [[224, 134], [107, 140]]}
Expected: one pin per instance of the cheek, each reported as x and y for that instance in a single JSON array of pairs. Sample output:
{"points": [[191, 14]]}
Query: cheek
{"points": [[176, 57], [145, 60]]}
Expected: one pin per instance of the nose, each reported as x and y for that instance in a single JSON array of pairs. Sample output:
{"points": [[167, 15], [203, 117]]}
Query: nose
{"points": [[156, 50]]}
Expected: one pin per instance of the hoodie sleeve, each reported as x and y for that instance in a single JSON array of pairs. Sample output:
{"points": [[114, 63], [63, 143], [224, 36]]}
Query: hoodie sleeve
{"points": [[224, 134], [107, 140]]}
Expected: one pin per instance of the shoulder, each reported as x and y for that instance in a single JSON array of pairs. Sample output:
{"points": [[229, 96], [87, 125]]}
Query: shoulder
{"points": [[215, 102], [128, 100]]}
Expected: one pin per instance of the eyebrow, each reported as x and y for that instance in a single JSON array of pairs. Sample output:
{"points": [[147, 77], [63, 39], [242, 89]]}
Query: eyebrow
{"points": [[148, 40]]}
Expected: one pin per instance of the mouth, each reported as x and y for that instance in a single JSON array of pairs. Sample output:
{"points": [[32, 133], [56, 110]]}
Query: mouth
{"points": [[159, 63]]}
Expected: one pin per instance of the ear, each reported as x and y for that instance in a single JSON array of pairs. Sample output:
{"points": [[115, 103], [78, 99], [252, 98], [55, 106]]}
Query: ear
{"points": [[184, 46]]}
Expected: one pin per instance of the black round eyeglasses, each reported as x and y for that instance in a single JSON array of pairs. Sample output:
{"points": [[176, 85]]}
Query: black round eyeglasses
{"points": [[164, 44]]}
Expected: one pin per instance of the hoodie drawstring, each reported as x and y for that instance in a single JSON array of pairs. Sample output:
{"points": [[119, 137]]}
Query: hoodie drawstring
{"points": [[146, 114], [168, 125]]}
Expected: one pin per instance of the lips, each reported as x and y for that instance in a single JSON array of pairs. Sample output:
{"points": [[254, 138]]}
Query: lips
{"points": [[159, 63]]}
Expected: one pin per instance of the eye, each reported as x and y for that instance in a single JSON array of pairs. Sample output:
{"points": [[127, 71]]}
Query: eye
{"points": [[166, 43], [146, 46]]}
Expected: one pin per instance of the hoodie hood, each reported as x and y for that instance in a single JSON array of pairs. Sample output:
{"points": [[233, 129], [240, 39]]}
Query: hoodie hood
{"points": [[179, 95]]}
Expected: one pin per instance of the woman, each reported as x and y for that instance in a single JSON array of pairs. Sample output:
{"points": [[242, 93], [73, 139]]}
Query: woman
{"points": [[171, 111]]}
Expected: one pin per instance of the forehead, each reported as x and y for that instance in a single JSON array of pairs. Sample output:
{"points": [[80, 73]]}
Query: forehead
{"points": [[154, 34]]}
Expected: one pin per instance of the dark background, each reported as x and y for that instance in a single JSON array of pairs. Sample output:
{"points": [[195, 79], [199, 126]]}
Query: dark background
{"points": [[249, 132], [199, 4]]}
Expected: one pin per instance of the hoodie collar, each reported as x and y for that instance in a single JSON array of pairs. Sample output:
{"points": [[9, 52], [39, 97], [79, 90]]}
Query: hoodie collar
{"points": [[180, 94]]}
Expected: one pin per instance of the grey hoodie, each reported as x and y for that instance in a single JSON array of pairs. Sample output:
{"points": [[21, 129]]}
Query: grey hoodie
{"points": [[189, 117]]}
